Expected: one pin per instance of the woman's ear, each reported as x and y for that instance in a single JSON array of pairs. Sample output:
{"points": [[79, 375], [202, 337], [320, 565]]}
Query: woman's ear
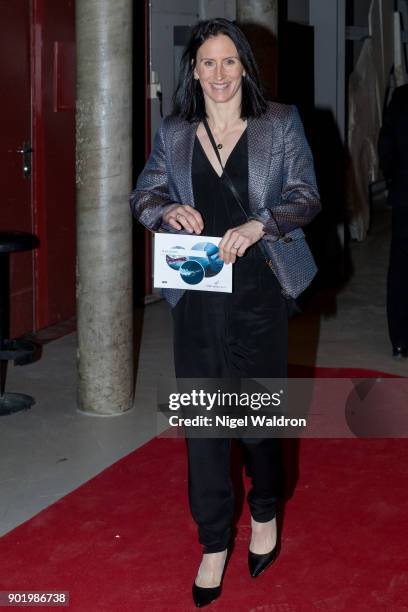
{"points": [[195, 75]]}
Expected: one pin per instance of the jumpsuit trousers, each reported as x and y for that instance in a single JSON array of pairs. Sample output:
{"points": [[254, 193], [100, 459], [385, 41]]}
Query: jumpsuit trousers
{"points": [[237, 335]]}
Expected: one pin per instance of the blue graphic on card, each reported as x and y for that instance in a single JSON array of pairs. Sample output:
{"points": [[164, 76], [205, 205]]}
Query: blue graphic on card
{"points": [[194, 267]]}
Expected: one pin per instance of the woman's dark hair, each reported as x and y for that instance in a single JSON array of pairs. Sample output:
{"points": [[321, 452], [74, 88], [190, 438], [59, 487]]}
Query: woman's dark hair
{"points": [[188, 99]]}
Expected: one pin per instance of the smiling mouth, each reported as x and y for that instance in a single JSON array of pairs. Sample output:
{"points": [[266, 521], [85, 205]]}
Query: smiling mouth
{"points": [[220, 86]]}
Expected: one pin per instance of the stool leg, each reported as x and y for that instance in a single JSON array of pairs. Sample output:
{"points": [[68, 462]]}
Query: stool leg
{"points": [[4, 313], [3, 376], [9, 402]]}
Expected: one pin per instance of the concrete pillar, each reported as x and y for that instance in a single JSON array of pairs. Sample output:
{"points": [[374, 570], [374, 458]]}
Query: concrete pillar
{"points": [[104, 229], [259, 20]]}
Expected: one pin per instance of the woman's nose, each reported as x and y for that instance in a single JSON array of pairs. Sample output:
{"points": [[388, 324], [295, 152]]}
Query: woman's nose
{"points": [[219, 71]]}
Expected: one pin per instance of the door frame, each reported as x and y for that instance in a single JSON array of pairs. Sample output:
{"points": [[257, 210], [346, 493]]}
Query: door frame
{"points": [[41, 311]]}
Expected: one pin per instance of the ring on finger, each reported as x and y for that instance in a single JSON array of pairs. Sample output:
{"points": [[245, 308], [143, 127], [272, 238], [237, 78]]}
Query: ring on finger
{"points": [[235, 247]]}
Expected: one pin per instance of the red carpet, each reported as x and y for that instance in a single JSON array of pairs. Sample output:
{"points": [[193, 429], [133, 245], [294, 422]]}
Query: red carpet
{"points": [[124, 541], [302, 371]]}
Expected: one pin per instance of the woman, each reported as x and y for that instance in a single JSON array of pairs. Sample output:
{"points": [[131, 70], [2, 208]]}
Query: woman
{"points": [[393, 157], [243, 334]]}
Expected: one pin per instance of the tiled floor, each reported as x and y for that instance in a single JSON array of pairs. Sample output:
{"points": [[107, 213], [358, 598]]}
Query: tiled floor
{"points": [[51, 449]]}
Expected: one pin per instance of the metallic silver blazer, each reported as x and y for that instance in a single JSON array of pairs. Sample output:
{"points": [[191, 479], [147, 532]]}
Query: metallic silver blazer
{"points": [[280, 175]]}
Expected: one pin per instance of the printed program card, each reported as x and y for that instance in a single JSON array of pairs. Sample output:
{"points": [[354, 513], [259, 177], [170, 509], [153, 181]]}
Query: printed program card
{"points": [[186, 261]]}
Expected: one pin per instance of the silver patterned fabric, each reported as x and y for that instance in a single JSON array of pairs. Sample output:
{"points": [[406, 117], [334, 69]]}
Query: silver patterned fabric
{"points": [[281, 175]]}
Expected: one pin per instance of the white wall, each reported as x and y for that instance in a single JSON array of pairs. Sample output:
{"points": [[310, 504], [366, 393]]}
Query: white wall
{"points": [[165, 14], [329, 20], [209, 9]]}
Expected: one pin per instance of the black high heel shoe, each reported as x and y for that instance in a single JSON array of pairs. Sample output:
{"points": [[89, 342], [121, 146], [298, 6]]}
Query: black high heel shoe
{"points": [[258, 563], [203, 596]]}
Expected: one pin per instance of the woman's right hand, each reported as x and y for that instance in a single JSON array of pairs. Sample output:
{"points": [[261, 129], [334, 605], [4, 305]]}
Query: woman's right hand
{"points": [[183, 216]]}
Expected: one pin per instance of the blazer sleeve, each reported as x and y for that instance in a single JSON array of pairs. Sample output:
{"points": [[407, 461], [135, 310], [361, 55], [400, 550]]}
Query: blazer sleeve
{"points": [[151, 195], [300, 200]]}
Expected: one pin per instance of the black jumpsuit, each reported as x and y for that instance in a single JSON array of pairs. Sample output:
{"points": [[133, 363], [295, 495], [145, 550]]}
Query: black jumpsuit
{"points": [[241, 335]]}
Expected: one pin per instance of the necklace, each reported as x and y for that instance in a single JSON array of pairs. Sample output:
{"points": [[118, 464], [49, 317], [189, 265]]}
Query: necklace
{"points": [[219, 145]]}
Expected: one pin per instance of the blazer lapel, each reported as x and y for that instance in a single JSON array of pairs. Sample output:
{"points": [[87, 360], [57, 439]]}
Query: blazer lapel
{"points": [[182, 145], [259, 160]]}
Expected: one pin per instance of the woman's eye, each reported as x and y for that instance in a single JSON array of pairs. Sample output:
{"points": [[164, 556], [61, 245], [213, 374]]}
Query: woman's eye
{"points": [[208, 63], [231, 62]]}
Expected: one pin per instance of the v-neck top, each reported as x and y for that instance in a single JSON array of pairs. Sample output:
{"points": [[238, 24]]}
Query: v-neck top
{"points": [[214, 200], [212, 196]]}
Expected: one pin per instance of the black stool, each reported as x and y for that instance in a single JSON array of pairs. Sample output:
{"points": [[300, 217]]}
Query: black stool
{"points": [[19, 351]]}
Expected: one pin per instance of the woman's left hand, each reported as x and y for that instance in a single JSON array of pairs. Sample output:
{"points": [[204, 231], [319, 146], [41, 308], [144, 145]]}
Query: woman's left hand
{"points": [[237, 240]]}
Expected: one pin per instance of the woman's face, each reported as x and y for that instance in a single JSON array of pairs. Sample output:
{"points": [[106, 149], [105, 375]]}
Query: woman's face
{"points": [[219, 69]]}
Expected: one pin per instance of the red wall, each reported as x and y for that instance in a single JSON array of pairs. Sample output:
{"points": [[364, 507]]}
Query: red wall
{"points": [[15, 189]]}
